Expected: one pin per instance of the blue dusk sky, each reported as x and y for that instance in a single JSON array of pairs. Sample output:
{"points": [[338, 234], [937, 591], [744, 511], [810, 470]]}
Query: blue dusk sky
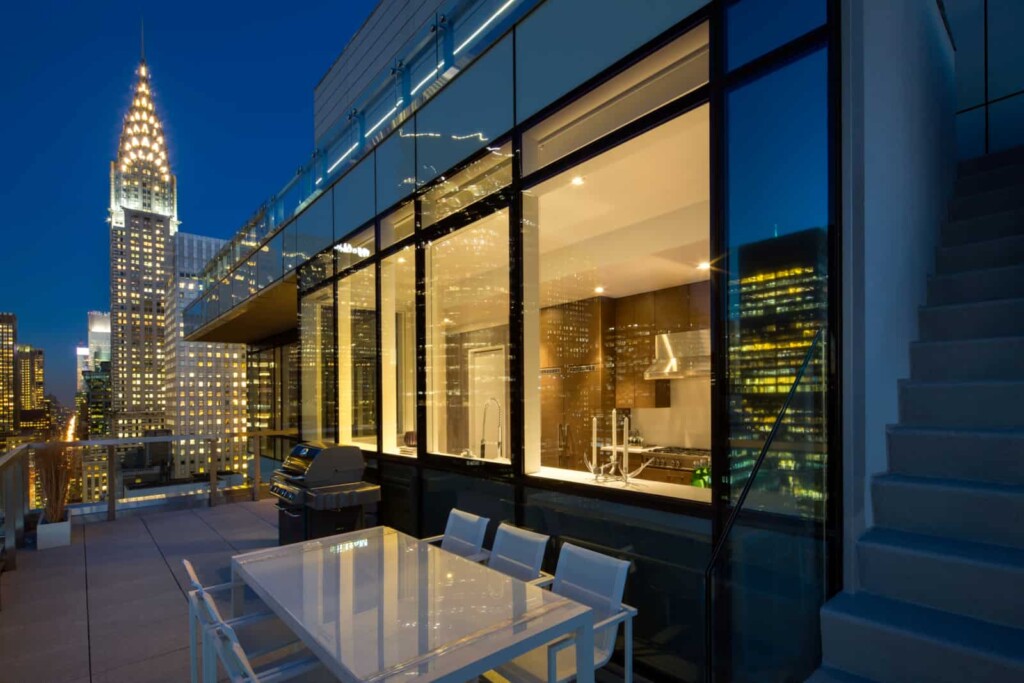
{"points": [[234, 87]]}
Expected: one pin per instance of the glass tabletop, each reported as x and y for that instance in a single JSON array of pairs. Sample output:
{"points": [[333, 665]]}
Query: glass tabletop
{"points": [[378, 605]]}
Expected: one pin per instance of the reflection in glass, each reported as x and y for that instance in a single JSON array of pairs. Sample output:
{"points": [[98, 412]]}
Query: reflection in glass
{"points": [[481, 178], [316, 337], [397, 225], [357, 359], [675, 70], [354, 249], [777, 228], [617, 301], [467, 340], [396, 167], [398, 351], [756, 27]]}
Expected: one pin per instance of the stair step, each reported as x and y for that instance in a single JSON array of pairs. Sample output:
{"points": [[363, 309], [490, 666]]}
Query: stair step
{"points": [[1003, 251], [983, 456], [985, 404], [992, 200], [968, 359], [971, 579], [978, 320], [826, 675], [983, 181], [980, 228], [987, 162], [949, 508], [895, 642], [977, 285]]}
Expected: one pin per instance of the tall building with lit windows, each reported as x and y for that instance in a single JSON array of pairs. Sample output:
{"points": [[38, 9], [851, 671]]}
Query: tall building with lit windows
{"points": [[8, 340], [205, 383], [143, 220], [28, 374]]}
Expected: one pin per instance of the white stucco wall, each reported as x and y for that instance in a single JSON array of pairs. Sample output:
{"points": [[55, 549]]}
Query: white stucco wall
{"points": [[899, 94]]}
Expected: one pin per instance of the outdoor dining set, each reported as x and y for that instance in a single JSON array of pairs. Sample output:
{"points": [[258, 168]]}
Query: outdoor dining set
{"points": [[377, 605]]}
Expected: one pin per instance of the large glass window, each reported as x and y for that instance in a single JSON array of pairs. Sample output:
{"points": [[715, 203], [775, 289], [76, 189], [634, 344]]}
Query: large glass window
{"points": [[565, 42], [354, 198], [617, 302], [397, 225], [398, 351], [354, 249], [315, 227], [777, 227], [756, 27], [357, 359], [468, 341], [482, 178], [396, 167], [316, 330], [670, 73]]}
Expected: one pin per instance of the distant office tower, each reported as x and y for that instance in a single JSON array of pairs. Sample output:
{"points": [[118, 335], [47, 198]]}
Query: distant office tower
{"points": [[99, 338], [8, 339], [29, 378], [81, 365], [205, 383], [97, 407], [776, 305], [143, 219]]}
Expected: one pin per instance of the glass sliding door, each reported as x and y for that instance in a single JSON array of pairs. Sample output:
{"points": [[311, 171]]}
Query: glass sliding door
{"points": [[398, 351], [317, 331], [467, 303]]}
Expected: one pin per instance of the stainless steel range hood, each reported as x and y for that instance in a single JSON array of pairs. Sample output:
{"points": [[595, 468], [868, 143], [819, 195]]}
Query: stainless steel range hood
{"points": [[680, 355]]}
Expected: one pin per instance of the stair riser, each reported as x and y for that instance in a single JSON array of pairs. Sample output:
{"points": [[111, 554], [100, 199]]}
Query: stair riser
{"points": [[974, 183], [980, 255], [984, 203], [989, 162], [972, 589], [1000, 359], [992, 458], [982, 285], [981, 516], [984, 228], [890, 656], [994, 406], [978, 321]]}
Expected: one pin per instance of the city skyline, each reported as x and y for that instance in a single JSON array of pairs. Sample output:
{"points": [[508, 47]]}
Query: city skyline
{"points": [[206, 75]]}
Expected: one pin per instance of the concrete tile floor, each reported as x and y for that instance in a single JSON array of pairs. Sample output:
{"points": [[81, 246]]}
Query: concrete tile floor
{"points": [[110, 608]]}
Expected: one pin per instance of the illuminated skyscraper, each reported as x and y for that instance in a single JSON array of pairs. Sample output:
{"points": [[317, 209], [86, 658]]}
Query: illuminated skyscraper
{"points": [[28, 374], [143, 219], [8, 339], [205, 383]]}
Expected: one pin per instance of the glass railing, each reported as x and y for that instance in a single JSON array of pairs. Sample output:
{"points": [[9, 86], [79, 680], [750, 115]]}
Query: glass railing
{"points": [[102, 476], [765, 581], [263, 249]]}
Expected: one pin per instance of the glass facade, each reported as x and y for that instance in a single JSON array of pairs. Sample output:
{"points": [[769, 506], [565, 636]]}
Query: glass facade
{"points": [[581, 293]]}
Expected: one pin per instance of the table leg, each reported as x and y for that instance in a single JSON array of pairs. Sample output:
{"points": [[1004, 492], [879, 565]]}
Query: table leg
{"points": [[237, 593], [584, 635]]}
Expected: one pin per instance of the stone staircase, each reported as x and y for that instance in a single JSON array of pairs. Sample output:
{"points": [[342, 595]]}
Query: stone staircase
{"points": [[942, 570]]}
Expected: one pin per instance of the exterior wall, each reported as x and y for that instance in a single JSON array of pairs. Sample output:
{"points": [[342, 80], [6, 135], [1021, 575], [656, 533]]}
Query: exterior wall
{"points": [[205, 383], [8, 339], [989, 74], [898, 157], [370, 51]]}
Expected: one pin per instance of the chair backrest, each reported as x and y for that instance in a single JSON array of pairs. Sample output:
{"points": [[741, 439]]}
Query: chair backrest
{"points": [[517, 552], [464, 533], [229, 650], [595, 580]]}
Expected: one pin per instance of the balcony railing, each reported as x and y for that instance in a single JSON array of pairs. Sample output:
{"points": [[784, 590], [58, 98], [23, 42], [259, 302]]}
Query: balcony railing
{"points": [[101, 481], [268, 247]]}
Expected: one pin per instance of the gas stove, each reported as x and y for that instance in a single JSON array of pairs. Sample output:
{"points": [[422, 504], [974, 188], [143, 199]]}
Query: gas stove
{"points": [[678, 457]]}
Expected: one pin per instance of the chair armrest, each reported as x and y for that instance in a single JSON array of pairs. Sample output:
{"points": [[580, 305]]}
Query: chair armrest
{"points": [[542, 581], [433, 539], [252, 618], [627, 612], [481, 556], [221, 587]]}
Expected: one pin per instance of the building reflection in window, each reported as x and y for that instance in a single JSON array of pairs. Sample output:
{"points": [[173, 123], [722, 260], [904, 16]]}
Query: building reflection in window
{"points": [[398, 351], [357, 359]]}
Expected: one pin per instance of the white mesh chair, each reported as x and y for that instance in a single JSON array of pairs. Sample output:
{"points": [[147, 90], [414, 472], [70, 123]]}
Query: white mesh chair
{"points": [[464, 535], [203, 614], [519, 553], [220, 643], [597, 581]]}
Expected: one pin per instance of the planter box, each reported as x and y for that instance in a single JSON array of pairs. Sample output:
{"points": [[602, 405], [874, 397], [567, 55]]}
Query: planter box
{"points": [[53, 534]]}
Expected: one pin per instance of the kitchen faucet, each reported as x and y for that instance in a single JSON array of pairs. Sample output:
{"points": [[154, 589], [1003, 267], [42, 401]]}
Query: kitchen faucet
{"points": [[483, 428]]}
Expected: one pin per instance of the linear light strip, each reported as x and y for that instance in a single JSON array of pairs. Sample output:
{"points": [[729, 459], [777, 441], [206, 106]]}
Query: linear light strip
{"points": [[342, 157], [484, 25]]}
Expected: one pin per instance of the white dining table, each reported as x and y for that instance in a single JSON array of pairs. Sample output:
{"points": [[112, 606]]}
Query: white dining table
{"points": [[377, 605]]}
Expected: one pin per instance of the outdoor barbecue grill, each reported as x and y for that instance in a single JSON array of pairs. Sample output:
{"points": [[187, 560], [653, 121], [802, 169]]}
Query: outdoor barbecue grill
{"points": [[320, 492]]}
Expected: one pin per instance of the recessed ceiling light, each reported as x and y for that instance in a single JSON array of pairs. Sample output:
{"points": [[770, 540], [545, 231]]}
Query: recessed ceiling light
{"points": [[577, 180], [401, 259], [703, 265], [599, 290]]}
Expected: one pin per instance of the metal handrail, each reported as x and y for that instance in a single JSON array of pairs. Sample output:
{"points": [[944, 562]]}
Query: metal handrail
{"points": [[730, 522], [14, 476]]}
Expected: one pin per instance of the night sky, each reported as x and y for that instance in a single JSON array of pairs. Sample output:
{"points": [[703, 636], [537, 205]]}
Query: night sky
{"points": [[234, 87]]}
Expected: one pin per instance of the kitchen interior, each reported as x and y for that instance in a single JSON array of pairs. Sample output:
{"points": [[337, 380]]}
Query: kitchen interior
{"points": [[623, 315]]}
